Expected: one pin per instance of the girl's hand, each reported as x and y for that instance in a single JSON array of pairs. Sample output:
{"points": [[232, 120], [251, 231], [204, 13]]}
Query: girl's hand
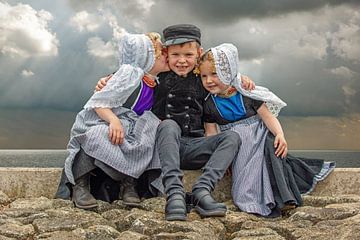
{"points": [[116, 132], [280, 146], [102, 83], [247, 83]]}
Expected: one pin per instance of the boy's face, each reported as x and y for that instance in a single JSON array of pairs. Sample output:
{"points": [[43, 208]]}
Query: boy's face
{"points": [[183, 57], [210, 79]]}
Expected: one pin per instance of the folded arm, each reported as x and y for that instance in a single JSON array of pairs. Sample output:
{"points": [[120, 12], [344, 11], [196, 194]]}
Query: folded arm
{"points": [[116, 131]]}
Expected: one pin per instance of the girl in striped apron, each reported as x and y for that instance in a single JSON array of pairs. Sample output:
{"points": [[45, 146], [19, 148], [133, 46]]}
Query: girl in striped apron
{"points": [[116, 131], [265, 179]]}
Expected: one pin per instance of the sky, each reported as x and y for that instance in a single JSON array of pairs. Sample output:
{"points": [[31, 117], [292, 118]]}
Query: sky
{"points": [[308, 52]]}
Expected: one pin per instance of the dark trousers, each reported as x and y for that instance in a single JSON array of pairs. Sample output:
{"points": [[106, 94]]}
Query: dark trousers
{"points": [[213, 154], [84, 164], [104, 179]]}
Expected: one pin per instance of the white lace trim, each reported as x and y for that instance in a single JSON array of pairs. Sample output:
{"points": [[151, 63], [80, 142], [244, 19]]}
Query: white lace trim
{"points": [[118, 88], [136, 56]]}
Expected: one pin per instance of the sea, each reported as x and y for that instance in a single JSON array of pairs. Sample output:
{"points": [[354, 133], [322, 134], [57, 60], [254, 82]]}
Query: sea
{"points": [[48, 158]]}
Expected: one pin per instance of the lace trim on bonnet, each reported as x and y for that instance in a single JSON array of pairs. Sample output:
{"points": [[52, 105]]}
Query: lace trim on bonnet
{"points": [[136, 56], [227, 64]]}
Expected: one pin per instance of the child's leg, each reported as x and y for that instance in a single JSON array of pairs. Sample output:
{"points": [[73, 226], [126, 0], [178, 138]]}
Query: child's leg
{"points": [[214, 154], [83, 165], [168, 144]]}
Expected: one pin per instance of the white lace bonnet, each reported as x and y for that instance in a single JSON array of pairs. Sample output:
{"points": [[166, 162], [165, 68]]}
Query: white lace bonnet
{"points": [[227, 68], [136, 57]]}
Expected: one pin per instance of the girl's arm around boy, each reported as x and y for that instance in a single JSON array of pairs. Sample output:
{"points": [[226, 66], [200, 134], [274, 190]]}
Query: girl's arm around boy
{"points": [[273, 124]]}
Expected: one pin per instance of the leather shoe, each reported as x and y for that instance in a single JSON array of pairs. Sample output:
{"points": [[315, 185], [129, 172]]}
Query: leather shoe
{"points": [[205, 204], [130, 195], [175, 209], [81, 195]]}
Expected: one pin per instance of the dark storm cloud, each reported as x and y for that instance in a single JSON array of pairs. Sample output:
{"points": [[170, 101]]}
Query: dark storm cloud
{"points": [[306, 53], [218, 12]]}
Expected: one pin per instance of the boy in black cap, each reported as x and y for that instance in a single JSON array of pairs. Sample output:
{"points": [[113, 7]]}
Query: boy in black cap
{"points": [[178, 101]]}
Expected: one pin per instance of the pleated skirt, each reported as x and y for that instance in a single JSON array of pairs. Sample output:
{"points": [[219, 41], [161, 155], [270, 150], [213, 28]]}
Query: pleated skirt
{"points": [[291, 177], [133, 157], [251, 188]]}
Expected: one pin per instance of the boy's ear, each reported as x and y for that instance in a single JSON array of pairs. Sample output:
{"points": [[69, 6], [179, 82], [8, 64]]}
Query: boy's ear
{"points": [[200, 51]]}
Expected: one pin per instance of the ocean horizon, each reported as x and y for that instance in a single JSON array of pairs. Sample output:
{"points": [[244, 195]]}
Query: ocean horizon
{"points": [[49, 158]]}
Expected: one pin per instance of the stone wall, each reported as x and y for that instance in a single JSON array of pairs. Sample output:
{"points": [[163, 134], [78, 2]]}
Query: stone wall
{"points": [[36, 182]]}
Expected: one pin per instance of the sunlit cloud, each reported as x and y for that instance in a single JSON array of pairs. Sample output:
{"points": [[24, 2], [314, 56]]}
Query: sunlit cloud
{"points": [[136, 11], [258, 61], [83, 21], [98, 48], [27, 73], [25, 32], [349, 91], [111, 19], [343, 72]]}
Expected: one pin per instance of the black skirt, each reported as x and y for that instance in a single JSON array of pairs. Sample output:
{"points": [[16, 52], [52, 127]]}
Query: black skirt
{"points": [[293, 176]]}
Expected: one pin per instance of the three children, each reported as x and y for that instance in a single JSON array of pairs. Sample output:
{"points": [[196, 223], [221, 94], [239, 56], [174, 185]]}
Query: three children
{"points": [[265, 177]]}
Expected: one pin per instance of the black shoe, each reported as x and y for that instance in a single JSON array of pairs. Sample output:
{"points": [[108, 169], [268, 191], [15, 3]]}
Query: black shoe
{"points": [[129, 194], [205, 204], [175, 209], [81, 195]]}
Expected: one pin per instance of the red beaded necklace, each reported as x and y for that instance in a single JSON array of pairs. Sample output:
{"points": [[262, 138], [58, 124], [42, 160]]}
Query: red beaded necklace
{"points": [[228, 92], [149, 81]]}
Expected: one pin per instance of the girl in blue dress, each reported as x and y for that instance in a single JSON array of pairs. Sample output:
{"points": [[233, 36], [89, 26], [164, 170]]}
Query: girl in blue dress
{"points": [[265, 178]]}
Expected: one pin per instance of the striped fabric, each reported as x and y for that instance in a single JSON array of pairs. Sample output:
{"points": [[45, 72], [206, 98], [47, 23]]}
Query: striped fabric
{"points": [[132, 157], [327, 168], [251, 187]]}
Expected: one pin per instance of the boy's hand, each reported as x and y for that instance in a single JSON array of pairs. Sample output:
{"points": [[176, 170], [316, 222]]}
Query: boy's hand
{"points": [[102, 83], [280, 146], [247, 83], [116, 132]]}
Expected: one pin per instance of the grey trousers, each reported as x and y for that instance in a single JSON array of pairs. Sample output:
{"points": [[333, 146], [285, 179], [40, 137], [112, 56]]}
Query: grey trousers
{"points": [[213, 154]]}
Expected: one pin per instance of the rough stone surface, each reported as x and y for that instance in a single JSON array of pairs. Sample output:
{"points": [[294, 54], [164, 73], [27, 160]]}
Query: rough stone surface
{"points": [[50, 219], [27, 211], [4, 199], [29, 182]]}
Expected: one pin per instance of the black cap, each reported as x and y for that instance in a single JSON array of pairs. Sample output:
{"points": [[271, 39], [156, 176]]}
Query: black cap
{"points": [[181, 33]]}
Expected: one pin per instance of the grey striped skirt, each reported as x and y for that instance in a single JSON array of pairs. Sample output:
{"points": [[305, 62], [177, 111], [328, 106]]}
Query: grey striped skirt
{"points": [[133, 157], [251, 187]]}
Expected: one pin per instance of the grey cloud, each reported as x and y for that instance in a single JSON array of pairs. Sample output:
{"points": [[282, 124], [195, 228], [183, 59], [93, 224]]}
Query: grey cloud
{"points": [[220, 12], [306, 88], [294, 53]]}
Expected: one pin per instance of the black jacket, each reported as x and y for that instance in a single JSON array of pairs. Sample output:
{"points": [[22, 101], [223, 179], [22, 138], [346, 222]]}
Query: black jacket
{"points": [[181, 99]]}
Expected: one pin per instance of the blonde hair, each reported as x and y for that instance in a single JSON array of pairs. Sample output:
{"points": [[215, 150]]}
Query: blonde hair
{"points": [[206, 56], [155, 38]]}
